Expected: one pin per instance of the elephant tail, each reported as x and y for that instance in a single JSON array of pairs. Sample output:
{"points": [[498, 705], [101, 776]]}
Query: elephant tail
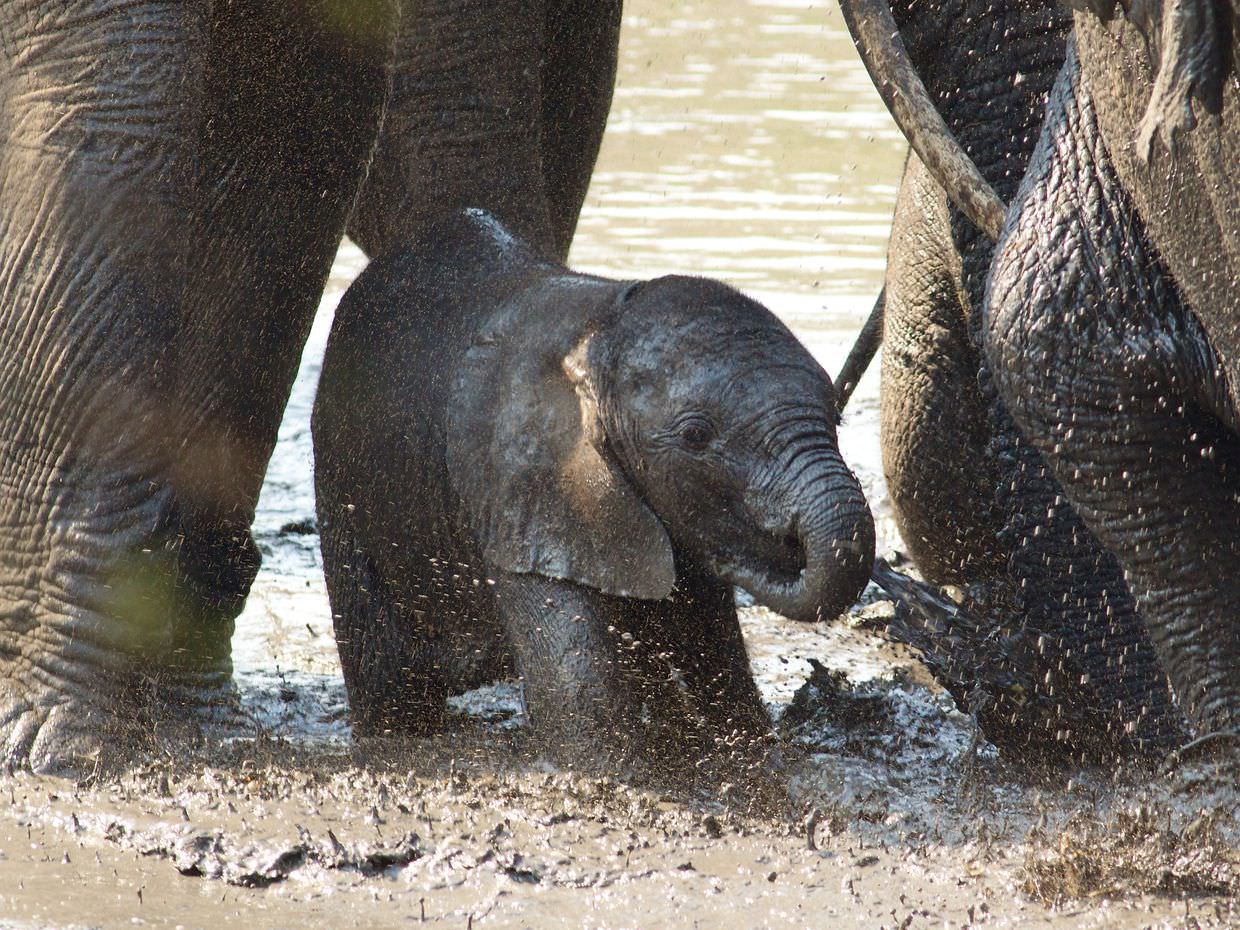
{"points": [[862, 353]]}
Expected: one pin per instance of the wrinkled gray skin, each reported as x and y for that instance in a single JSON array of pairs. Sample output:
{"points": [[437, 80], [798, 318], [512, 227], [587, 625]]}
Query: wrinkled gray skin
{"points": [[174, 181], [1113, 315], [574, 473], [935, 417], [975, 505], [1110, 321]]}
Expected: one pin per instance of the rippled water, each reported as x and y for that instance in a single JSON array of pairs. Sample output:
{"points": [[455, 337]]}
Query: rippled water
{"points": [[745, 143]]}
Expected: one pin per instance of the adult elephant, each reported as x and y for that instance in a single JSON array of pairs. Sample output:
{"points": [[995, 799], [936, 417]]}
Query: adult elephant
{"points": [[974, 504], [1112, 318], [174, 181]]}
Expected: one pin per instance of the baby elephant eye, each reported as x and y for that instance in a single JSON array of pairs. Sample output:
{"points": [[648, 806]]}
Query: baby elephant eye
{"points": [[696, 433]]}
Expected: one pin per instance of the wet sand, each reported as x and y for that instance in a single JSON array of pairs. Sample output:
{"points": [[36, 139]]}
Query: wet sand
{"points": [[745, 143], [893, 817]]}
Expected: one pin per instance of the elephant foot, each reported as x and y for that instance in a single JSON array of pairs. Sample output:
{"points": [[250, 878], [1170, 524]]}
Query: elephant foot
{"points": [[56, 736], [393, 715], [754, 776], [79, 736], [745, 770], [1018, 684]]}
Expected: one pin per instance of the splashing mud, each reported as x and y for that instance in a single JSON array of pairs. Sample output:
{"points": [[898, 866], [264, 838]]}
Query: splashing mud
{"points": [[745, 143]]}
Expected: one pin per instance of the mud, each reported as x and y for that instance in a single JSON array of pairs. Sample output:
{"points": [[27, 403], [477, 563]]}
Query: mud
{"points": [[894, 817], [746, 143]]}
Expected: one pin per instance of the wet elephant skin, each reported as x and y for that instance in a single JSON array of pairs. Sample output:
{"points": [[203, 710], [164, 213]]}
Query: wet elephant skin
{"points": [[174, 182], [1109, 321], [562, 476], [976, 504]]}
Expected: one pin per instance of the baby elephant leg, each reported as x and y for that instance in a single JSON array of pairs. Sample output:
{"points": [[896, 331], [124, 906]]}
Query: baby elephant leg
{"points": [[576, 676], [619, 680], [693, 641]]}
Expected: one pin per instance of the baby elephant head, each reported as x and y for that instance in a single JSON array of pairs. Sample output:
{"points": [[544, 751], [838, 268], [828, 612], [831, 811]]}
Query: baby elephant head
{"points": [[726, 425], [648, 424]]}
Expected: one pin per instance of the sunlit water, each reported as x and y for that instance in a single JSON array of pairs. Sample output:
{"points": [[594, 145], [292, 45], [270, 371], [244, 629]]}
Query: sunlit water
{"points": [[745, 143]]}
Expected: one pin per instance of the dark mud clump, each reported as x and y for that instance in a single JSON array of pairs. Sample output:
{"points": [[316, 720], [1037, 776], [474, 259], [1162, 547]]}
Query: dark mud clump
{"points": [[1146, 849], [303, 527], [888, 749]]}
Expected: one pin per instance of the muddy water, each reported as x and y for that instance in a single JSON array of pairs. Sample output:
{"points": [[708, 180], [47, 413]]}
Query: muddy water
{"points": [[747, 144]]}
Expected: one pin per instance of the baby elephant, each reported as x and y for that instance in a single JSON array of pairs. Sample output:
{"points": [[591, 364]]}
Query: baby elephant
{"points": [[526, 471]]}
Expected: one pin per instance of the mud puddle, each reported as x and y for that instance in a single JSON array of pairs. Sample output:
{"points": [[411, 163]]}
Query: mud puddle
{"points": [[894, 819], [894, 815]]}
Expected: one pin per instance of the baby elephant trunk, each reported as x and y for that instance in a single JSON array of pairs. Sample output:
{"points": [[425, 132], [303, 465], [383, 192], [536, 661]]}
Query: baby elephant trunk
{"points": [[826, 541]]}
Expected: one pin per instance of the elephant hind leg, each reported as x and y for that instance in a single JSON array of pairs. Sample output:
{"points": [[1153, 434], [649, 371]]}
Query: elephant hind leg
{"points": [[410, 632], [394, 688], [97, 162], [1156, 475], [1109, 373], [498, 105], [579, 61], [935, 441]]}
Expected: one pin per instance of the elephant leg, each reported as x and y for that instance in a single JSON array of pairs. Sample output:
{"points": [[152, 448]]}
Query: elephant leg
{"points": [[496, 104], [463, 125], [607, 684], [1111, 376], [578, 75], [989, 76], [154, 304], [413, 626], [97, 164], [394, 682], [693, 661], [935, 433], [582, 691], [616, 680]]}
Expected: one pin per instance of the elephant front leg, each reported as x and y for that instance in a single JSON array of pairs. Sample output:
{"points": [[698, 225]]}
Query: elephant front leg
{"points": [[693, 641], [153, 303], [581, 675], [96, 166], [660, 689], [1111, 376]]}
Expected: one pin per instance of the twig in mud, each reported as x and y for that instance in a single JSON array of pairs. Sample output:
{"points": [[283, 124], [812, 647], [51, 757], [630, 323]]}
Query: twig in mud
{"points": [[811, 826]]}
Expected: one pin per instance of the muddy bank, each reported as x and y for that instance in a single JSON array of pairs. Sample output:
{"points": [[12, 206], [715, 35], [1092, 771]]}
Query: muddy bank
{"points": [[895, 818]]}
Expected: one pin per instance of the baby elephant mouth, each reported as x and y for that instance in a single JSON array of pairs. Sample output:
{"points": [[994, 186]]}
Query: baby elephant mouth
{"points": [[778, 558], [805, 574]]}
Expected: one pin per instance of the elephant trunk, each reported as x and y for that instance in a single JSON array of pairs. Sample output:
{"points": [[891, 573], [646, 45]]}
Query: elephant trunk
{"points": [[877, 38], [827, 523]]}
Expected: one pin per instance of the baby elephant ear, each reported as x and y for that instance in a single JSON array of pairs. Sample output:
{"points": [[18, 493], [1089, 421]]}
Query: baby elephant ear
{"points": [[539, 494]]}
